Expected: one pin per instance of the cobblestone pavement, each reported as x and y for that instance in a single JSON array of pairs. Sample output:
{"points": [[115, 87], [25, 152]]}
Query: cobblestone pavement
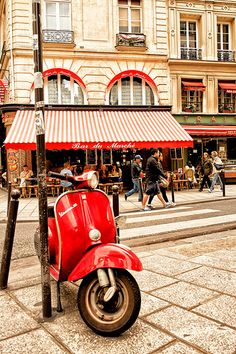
{"points": [[188, 304]]}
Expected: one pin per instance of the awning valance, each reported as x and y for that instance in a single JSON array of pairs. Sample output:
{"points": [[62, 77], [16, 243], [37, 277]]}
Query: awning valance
{"points": [[193, 86], [99, 129], [211, 130], [230, 88]]}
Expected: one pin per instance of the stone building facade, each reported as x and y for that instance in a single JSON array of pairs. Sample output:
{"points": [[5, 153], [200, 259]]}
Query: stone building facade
{"points": [[129, 52]]}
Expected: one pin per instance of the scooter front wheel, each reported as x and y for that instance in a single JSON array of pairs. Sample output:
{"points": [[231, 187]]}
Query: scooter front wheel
{"points": [[115, 316]]}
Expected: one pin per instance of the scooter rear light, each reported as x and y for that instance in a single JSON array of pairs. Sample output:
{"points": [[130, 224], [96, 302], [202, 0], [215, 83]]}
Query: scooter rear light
{"points": [[94, 235]]}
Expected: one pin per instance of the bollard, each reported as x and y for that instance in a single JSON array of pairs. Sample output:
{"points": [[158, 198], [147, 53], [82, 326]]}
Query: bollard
{"points": [[172, 187], [222, 177], [115, 205], [8, 196], [9, 238], [140, 193]]}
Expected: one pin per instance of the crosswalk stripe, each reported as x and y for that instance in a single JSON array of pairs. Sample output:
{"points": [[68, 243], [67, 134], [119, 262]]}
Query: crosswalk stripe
{"points": [[176, 226], [169, 216], [155, 211]]}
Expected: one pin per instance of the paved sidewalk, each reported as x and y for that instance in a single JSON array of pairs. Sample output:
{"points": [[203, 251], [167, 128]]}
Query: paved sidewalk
{"points": [[188, 305], [28, 207]]}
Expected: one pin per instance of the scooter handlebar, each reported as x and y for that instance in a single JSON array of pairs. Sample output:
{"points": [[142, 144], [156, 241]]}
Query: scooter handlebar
{"points": [[62, 177]]}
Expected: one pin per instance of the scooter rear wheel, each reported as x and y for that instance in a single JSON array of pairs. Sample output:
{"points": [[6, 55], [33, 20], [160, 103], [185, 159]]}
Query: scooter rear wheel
{"points": [[118, 314]]}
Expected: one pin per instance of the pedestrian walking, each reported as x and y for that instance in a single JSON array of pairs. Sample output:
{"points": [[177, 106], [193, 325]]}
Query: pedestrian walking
{"points": [[217, 163], [153, 173], [136, 170], [162, 189], [207, 168]]}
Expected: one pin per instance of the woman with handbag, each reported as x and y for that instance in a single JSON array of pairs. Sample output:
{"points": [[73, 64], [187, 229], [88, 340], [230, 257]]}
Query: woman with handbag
{"points": [[152, 176], [217, 167], [163, 183]]}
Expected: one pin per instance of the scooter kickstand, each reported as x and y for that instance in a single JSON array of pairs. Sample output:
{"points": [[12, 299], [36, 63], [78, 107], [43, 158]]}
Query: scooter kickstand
{"points": [[59, 307]]}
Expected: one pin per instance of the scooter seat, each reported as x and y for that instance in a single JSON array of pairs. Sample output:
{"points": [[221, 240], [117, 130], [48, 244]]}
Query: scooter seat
{"points": [[51, 210]]}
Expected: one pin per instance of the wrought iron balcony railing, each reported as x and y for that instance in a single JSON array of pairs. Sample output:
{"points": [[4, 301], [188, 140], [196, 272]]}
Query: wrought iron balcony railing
{"points": [[226, 55], [191, 54], [55, 36], [192, 107], [131, 40], [227, 108]]}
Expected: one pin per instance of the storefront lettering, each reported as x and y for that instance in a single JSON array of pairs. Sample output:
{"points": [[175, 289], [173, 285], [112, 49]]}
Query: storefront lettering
{"points": [[122, 146], [78, 146], [107, 146]]}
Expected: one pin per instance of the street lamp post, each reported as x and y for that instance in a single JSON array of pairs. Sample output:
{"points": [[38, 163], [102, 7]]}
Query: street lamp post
{"points": [[41, 159]]}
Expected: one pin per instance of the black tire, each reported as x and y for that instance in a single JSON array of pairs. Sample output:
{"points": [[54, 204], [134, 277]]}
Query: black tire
{"points": [[116, 316]]}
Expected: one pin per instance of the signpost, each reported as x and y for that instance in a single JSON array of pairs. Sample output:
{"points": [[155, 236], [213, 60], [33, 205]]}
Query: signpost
{"points": [[41, 159]]}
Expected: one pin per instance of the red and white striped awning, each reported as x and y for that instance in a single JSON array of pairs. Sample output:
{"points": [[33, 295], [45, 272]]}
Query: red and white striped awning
{"points": [[211, 130], [99, 129]]}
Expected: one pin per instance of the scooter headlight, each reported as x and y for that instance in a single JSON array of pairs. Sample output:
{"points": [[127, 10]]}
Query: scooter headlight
{"points": [[94, 235], [94, 181]]}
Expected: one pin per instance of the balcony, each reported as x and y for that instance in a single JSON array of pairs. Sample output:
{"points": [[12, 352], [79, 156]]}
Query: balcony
{"points": [[191, 54], [136, 41], [192, 107], [226, 55], [62, 36], [227, 108]]}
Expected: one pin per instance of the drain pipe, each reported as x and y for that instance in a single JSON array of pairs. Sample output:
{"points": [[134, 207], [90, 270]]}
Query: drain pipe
{"points": [[11, 55]]}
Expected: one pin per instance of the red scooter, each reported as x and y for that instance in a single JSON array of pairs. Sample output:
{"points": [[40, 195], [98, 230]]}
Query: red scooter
{"points": [[82, 239]]}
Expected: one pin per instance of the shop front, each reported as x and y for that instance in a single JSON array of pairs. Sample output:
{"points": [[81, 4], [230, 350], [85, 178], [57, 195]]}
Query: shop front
{"points": [[97, 135]]}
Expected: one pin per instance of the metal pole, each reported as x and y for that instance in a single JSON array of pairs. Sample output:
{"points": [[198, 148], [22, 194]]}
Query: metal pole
{"points": [[222, 177], [140, 193], [115, 205], [8, 196], [41, 159], [9, 238], [172, 187]]}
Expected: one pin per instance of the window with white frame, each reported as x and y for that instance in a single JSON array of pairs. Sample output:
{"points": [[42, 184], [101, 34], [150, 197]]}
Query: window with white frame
{"points": [[62, 89], [58, 15], [131, 90], [130, 16], [188, 34], [223, 36]]}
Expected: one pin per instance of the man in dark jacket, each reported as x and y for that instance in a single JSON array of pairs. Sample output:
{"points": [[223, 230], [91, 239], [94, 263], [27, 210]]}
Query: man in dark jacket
{"points": [[153, 172], [207, 171], [135, 173]]}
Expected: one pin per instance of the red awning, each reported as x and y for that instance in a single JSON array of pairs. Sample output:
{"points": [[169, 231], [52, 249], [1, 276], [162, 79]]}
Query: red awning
{"points": [[230, 88], [95, 129], [211, 130], [193, 86]]}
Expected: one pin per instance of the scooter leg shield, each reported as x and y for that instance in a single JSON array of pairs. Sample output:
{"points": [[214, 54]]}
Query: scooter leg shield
{"points": [[110, 255]]}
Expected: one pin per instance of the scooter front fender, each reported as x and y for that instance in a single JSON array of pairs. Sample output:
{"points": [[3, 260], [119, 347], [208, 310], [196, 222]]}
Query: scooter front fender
{"points": [[110, 255]]}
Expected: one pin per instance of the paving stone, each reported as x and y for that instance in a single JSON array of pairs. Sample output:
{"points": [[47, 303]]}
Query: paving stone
{"points": [[148, 281], [179, 348], [150, 304], [167, 265], [222, 309], [219, 280], [204, 246], [34, 342], [13, 320], [78, 338], [31, 297], [198, 331], [184, 294], [210, 260]]}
